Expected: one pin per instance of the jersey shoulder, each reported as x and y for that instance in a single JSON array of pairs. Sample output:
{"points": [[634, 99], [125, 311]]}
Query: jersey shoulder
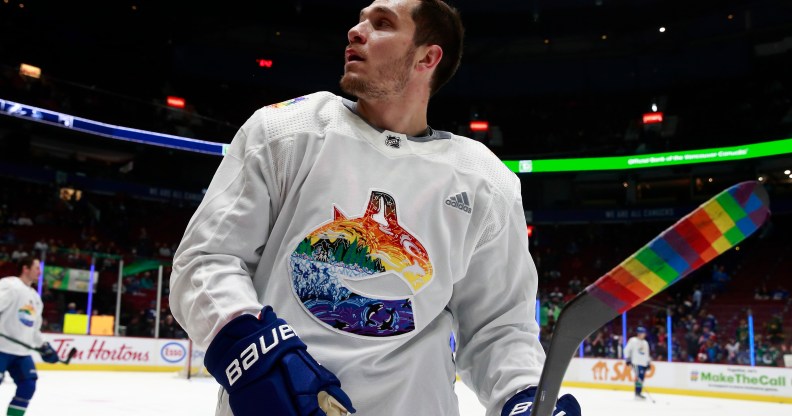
{"points": [[8, 281], [474, 157], [313, 113]]}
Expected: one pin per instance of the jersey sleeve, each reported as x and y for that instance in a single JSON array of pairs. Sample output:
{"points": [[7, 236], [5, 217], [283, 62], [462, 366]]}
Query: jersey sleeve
{"points": [[211, 282], [493, 305], [5, 295]]}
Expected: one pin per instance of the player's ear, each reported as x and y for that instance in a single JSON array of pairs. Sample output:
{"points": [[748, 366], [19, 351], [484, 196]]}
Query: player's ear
{"points": [[430, 56]]}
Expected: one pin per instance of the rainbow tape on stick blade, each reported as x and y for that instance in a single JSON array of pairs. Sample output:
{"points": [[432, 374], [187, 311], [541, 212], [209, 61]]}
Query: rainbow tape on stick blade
{"points": [[714, 227]]}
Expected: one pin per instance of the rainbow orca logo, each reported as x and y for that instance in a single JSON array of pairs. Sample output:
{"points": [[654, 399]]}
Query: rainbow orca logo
{"points": [[359, 275], [26, 315]]}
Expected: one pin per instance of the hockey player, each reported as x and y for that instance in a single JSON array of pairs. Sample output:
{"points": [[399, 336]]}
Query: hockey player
{"points": [[20, 320], [372, 236], [637, 355]]}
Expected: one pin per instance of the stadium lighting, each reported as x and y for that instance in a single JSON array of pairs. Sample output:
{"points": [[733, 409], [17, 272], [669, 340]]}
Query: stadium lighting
{"points": [[662, 29], [175, 102], [654, 107], [653, 118], [479, 125], [761, 179], [30, 71], [787, 172]]}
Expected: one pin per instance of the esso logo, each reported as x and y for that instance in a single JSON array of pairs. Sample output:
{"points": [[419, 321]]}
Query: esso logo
{"points": [[173, 352]]}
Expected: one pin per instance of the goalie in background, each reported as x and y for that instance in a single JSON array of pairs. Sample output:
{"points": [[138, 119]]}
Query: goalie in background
{"points": [[637, 355], [20, 319]]}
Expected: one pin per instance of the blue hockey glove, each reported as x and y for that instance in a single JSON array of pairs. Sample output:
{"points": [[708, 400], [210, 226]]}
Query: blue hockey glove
{"points": [[48, 354], [266, 369], [522, 402]]}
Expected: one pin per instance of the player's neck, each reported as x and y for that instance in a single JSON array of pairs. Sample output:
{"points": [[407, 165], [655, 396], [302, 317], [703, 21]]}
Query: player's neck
{"points": [[26, 280], [403, 114]]}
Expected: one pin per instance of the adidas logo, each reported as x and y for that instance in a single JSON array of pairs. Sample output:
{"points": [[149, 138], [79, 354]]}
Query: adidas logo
{"points": [[459, 201]]}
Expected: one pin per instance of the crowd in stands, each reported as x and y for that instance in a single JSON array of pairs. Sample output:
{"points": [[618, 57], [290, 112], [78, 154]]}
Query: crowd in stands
{"points": [[91, 232]]}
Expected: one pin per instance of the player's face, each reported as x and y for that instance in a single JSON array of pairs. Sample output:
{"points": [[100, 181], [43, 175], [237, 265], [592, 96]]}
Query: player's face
{"points": [[32, 273], [380, 57]]}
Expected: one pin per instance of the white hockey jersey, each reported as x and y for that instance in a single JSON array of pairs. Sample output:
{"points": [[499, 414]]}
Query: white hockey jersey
{"points": [[373, 246], [20, 316], [637, 351]]}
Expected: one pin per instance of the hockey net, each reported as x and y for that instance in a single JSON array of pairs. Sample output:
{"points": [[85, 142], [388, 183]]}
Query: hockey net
{"points": [[194, 364]]}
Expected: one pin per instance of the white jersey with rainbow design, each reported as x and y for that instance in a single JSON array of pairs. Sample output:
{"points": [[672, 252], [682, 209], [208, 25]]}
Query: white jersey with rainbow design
{"points": [[20, 316], [374, 246]]}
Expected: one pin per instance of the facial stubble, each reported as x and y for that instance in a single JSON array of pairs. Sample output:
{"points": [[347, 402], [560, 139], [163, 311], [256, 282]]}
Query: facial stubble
{"points": [[390, 79]]}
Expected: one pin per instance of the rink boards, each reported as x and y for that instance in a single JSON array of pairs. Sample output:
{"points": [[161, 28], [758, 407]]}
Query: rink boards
{"points": [[693, 379], [108, 353]]}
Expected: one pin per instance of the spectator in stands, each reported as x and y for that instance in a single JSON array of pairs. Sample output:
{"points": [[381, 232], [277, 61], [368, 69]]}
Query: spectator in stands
{"points": [[767, 354], [169, 328], [780, 293], [24, 220], [71, 308], [761, 293], [775, 330], [732, 348], [556, 295], [132, 285], [576, 285], [742, 332], [692, 342], [137, 326], [709, 321], [720, 277], [40, 247], [146, 282], [4, 255], [697, 297], [709, 351], [19, 253], [164, 250], [598, 348]]}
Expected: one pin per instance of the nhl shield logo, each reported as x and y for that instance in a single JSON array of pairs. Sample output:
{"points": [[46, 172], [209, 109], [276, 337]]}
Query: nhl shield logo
{"points": [[393, 141]]}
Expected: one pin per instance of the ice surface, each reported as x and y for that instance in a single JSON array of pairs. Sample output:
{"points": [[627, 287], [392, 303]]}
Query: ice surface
{"points": [[66, 393]]}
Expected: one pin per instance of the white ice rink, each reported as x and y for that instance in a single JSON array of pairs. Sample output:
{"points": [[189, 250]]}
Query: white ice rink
{"points": [[67, 393]]}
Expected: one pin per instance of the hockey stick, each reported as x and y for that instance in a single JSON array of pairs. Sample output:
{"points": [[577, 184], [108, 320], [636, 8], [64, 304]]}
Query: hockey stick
{"points": [[714, 227], [71, 354]]}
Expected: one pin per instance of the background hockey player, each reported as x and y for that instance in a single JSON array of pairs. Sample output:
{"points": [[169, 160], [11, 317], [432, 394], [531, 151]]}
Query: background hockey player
{"points": [[20, 320], [637, 355], [354, 235]]}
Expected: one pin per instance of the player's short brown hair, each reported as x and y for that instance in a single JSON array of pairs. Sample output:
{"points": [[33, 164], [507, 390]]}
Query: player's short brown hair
{"points": [[437, 23], [25, 261]]}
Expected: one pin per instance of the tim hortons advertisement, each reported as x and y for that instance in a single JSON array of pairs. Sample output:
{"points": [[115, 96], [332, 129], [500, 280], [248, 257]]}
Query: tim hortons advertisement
{"points": [[109, 353]]}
